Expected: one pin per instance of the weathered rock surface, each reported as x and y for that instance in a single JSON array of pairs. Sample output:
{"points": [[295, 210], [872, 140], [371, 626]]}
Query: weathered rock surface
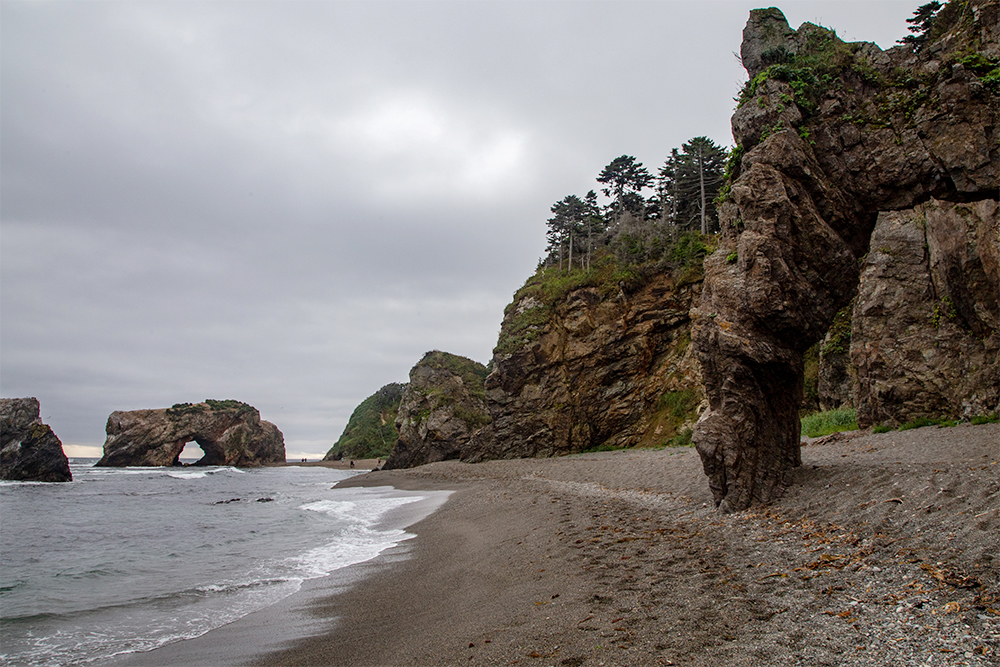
{"points": [[837, 376], [871, 131], [927, 316], [442, 406], [596, 369], [228, 432], [29, 450]]}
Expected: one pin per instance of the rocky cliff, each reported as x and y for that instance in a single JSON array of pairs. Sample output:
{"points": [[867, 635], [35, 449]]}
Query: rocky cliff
{"points": [[608, 364], [371, 431], [441, 407], [228, 432], [29, 450], [925, 330], [860, 172]]}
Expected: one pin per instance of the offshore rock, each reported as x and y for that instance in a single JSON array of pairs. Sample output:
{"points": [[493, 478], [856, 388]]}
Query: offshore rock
{"points": [[442, 406], [873, 132], [592, 369], [229, 432], [29, 450]]}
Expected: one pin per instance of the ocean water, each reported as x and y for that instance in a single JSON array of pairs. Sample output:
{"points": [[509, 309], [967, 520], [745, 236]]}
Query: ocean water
{"points": [[129, 559]]}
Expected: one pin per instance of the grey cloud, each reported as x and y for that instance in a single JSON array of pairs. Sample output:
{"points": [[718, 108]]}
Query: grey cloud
{"points": [[289, 202]]}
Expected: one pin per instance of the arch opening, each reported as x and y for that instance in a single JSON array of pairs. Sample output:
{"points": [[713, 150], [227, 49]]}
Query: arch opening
{"points": [[200, 452], [191, 454]]}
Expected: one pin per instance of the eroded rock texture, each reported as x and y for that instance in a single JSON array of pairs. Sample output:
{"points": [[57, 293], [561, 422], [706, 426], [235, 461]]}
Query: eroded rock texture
{"points": [[442, 406], [594, 369], [831, 135], [229, 433], [837, 377], [29, 450], [928, 314]]}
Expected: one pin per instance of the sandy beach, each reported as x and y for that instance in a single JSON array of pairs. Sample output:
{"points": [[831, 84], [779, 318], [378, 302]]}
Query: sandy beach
{"points": [[343, 464], [884, 552]]}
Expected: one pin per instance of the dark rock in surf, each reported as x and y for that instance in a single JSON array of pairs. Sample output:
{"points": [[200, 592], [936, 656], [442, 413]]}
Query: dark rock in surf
{"points": [[29, 450]]}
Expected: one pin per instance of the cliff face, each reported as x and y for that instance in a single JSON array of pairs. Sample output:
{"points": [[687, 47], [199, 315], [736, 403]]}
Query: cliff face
{"points": [[839, 141], [592, 369], [29, 450], [925, 331], [442, 406], [371, 430], [229, 433]]}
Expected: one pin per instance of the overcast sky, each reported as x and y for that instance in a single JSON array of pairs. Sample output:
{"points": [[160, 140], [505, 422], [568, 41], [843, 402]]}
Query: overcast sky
{"points": [[288, 203]]}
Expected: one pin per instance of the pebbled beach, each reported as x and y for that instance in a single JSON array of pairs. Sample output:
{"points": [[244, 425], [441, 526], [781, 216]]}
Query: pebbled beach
{"points": [[883, 552]]}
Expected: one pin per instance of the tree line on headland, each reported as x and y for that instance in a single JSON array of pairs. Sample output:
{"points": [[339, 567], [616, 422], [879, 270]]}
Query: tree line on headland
{"points": [[682, 199]]}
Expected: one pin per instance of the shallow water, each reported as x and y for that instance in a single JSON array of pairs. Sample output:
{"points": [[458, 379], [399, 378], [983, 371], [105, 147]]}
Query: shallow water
{"points": [[129, 559]]}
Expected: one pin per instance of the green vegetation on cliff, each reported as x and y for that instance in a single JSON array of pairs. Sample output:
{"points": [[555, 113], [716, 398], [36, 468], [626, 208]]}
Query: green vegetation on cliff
{"points": [[472, 372], [621, 267], [179, 409], [825, 62], [371, 430], [673, 410]]}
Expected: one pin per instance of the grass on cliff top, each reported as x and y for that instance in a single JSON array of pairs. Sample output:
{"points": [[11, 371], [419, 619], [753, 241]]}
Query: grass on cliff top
{"points": [[810, 72], [179, 409], [826, 63], [626, 265], [371, 430], [628, 262], [472, 372]]}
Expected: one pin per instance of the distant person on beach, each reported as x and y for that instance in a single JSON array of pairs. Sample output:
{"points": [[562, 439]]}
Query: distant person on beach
{"points": [[352, 464]]}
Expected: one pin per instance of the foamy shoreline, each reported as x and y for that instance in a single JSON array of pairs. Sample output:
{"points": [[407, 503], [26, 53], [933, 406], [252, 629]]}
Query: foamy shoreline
{"points": [[881, 553]]}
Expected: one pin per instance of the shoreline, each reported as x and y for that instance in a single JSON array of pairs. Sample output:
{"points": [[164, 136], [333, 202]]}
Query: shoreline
{"points": [[882, 552], [345, 464], [291, 618]]}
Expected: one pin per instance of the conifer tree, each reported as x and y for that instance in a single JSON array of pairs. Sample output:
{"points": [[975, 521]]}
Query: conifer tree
{"points": [[624, 180], [565, 227], [688, 183], [920, 24]]}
